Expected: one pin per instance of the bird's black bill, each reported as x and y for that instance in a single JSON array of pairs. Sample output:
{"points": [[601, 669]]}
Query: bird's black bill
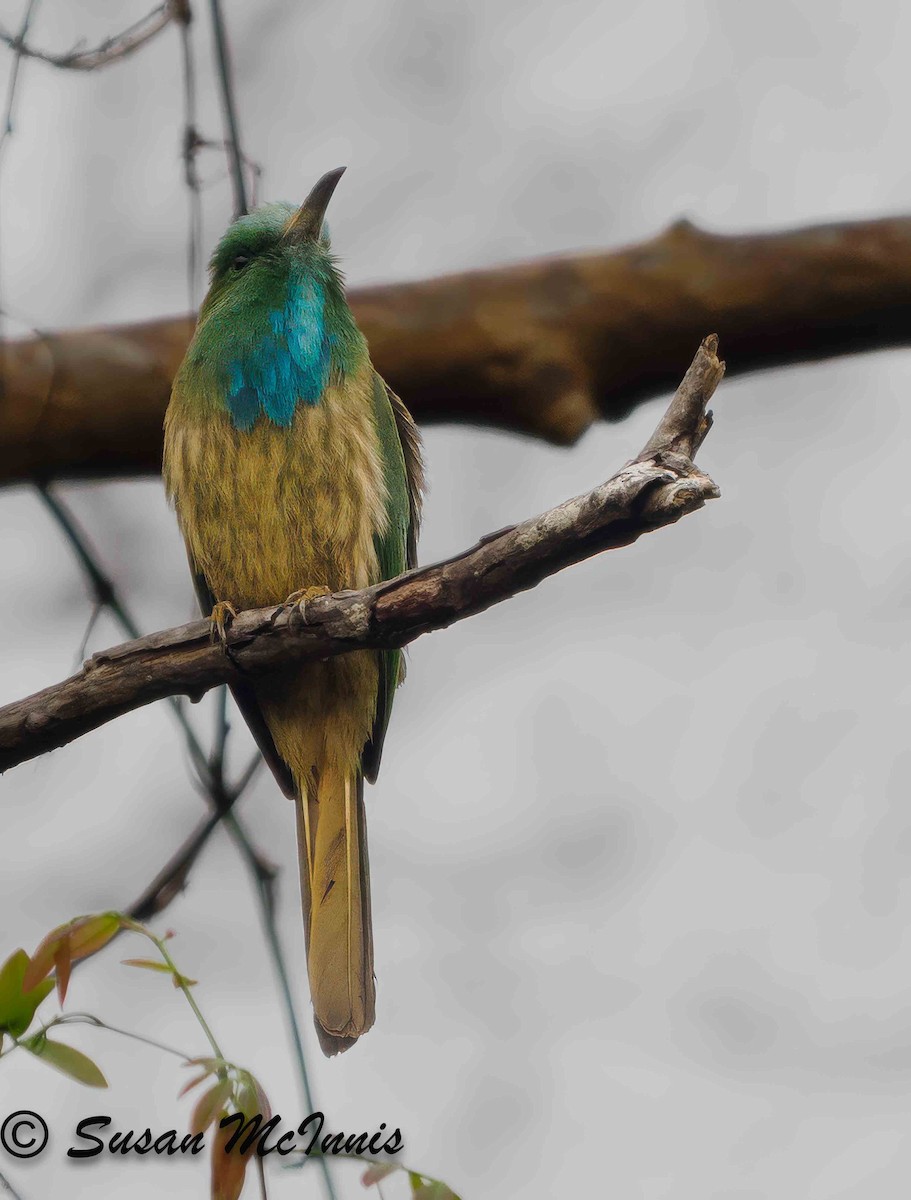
{"points": [[307, 223]]}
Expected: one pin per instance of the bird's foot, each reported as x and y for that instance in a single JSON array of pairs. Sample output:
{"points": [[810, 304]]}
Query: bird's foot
{"points": [[221, 617], [299, 599]]}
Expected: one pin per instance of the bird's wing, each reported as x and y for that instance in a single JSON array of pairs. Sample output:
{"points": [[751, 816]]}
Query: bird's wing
{"points": [[410, 442], [396, 548], [247, 703]]}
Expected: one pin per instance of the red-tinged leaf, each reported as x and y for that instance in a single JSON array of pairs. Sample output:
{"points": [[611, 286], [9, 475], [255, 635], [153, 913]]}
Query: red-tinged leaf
{"points": [[18, 1004], [70, 1062], [148, 964], [42, 961], [228, 1169], [83, 936], [209, 1106], [183, 981], [377, 1172], [188, 1087], [89, 934], [62, 964], [211, 1064], [262, 1100]]}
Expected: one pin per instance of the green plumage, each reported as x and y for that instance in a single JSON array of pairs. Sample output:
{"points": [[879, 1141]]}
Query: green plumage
{"points": [[293, 467]]}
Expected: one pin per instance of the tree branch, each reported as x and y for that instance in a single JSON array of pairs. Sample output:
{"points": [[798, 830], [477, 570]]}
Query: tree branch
{"points": [[653, 490], [112, 48], [543, 348]]}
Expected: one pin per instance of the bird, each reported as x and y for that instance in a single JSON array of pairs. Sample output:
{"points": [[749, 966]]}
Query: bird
{"points": [[296, 471]]}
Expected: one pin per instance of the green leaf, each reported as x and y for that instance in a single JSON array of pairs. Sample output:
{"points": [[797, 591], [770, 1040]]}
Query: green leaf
{"points": [[18, 1004], [432, 1189], [249, 1097], [70, 1062], [148, 964]]}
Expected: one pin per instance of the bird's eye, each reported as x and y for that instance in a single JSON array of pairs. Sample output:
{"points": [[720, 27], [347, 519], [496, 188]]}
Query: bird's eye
{"points": [[240, 261]]}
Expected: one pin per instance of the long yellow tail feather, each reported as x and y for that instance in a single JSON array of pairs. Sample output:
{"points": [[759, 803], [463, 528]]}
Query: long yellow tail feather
{"points": [[335, 890]]}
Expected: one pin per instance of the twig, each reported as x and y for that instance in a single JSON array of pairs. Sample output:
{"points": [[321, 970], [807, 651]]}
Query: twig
{"points": [[644, 495], [8, 1187], [110, 50], [191, 144], [105, 594], [171, 879], [235, 155], [14, 74], [5, 133]]}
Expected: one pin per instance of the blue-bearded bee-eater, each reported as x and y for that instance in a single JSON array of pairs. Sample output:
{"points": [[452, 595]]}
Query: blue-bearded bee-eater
{"points": [[294, 469]]}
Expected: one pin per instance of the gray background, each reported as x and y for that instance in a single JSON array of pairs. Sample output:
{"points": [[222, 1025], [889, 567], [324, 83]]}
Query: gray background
{"points": [[640, 847]]}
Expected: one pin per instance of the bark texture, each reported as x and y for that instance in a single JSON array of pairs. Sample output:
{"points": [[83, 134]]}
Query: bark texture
{"points": [[543, 348]]}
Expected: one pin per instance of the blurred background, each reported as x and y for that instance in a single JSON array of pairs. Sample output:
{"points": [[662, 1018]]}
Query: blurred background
{"points": [[641, 843]]}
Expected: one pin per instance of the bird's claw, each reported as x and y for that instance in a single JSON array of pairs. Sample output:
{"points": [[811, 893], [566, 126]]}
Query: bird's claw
{"points": [[221, 617], [299, 600]]}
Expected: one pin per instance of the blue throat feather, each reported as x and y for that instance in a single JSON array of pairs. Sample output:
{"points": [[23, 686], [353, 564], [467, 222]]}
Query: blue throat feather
{"points": [[290, 365]]}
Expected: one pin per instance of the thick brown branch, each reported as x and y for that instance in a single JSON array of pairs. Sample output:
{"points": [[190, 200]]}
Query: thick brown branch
{"points": [[656, 489], [112, 48], [544, 348]]}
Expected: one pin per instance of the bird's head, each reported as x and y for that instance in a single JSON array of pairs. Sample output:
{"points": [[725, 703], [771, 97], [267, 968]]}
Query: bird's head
{"points": [[269, 245], [275, 325]]}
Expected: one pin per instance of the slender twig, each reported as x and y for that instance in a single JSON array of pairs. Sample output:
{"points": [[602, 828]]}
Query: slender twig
{"points": [[8, 1187], [191, 143], [229, 109], [79, 1018], [110, 50], [180, 982], [247, 775], [171, 879], [7, 129], [648, 493], [104, 593], [5, 134]]}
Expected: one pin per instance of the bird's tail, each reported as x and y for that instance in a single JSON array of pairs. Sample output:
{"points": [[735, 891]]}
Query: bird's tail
{"points": [[335, 889]]}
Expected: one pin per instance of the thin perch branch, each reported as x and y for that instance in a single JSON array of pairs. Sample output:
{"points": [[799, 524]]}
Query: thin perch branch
{"points": [[229, 108], [543, 348], [655, 489]]}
